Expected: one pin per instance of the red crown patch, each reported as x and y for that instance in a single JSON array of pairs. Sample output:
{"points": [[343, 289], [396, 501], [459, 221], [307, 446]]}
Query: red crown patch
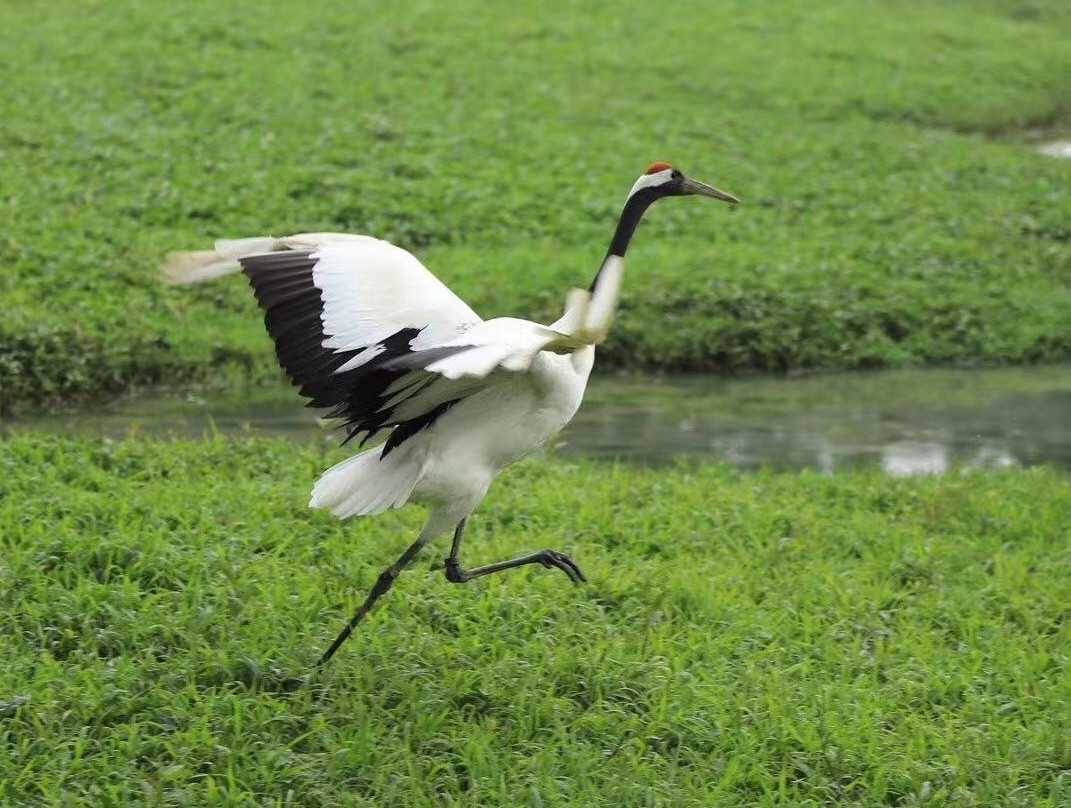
{"points": [[654, 168]]}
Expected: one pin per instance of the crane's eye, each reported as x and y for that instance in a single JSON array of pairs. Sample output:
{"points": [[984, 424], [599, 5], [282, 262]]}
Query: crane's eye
{"points": [[676, 174]]}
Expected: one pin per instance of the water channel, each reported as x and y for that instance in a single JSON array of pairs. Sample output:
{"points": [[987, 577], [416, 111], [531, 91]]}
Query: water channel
{"points": [[904, 422]]}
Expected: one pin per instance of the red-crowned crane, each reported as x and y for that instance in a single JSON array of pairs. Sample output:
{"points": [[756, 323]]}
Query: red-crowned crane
{"points": [[366, 331]]}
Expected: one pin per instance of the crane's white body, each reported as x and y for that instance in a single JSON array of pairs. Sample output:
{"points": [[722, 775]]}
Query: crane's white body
{"points": [[516, 383], [450, 465], [470, 445]]}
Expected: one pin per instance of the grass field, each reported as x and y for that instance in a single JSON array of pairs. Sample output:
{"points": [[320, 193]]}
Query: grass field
{"points": [[744, 639], [892, 213]]}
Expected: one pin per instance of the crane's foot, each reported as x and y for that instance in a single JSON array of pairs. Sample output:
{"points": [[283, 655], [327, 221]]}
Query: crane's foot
{"points": [[548, 558], [552, 558]]}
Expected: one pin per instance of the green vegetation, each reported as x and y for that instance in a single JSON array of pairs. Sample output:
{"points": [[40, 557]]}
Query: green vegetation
{"points": [[890, 216], [744, 639], [762, 640]]}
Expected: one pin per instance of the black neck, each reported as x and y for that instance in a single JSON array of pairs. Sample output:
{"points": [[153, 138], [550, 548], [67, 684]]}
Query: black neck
{"points": [[633, 211], [630, 217]]}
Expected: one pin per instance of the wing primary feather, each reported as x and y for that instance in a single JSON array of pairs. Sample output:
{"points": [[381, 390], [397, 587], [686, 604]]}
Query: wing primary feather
{"points": [[347, 295]]}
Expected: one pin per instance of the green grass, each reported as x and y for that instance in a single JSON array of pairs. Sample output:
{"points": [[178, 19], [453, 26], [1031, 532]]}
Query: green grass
{"points": [[891, 217], [744, 639]]}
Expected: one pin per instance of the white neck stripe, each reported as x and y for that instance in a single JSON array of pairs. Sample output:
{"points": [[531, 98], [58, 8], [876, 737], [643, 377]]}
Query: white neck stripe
{"points": [[650, 181]]}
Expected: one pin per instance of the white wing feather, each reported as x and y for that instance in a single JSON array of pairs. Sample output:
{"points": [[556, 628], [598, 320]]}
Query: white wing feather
{"points": [[372, 289], [505, 343]]}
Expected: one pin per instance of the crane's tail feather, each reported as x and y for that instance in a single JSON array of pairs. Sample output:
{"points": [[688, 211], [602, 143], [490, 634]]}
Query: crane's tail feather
{"points": [[182, 268], [368, 483]]}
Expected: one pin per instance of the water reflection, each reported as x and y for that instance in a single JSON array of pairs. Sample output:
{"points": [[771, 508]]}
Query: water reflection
{"points": [[909, 422], [907, 457], [1057, 148]]}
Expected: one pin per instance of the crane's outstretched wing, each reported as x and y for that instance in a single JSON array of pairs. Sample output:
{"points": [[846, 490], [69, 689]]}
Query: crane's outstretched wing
{"points": [[365, 331], [341, 309]]}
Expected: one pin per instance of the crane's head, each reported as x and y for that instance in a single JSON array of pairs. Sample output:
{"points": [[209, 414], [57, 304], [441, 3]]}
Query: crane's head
{"points": [[662, 179]]}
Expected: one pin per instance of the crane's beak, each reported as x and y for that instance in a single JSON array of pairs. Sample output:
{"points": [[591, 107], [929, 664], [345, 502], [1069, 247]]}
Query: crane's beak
{"points": [[690, 186]]}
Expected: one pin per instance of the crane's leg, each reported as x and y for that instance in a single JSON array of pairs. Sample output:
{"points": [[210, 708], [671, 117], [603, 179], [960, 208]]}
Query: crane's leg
{"points": [[548, 558], [384, 582]]}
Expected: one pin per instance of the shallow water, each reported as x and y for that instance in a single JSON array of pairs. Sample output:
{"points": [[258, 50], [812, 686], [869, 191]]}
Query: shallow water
{"points": [[908, 422], [904, 422], [1056, 148]]}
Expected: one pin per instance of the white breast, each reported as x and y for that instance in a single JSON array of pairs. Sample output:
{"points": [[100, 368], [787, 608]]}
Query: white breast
{"points": [[489, 430]]}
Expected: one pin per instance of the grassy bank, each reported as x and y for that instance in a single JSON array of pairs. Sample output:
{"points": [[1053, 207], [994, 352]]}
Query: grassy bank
{"points": [[883, 223], [744, 639]]}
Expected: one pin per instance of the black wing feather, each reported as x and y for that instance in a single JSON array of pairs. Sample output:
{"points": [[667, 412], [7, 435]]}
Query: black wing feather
{"points": [[293, 315]]}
